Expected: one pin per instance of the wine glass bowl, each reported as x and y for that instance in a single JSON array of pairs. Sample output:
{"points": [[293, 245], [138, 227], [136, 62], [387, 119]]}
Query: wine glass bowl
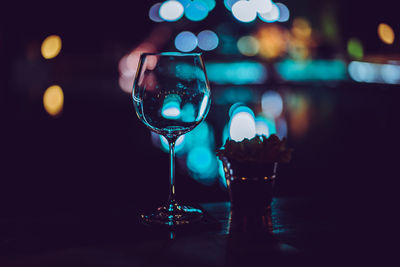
{"points": [[171, 96]]}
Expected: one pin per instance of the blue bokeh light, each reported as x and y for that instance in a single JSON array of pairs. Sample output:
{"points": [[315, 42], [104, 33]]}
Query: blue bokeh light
{"points": [[154, 13], [242, 124], [196, 10], [229, 3], [185, 41], [271, 16], [284, 12], [207, 40], [244, 11]]}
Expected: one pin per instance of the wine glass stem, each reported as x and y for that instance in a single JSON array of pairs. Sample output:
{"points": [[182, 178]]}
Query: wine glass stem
{"points": [[171, 199]]}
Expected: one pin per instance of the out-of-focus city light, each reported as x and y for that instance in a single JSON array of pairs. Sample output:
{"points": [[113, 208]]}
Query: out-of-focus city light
{"points": [[210, 4], [244, 72], [301, 28], [273, 41], [171, 107], [186, 41], [281, 127], [386, 33], [239, 107], [53, 100], [248, 45], [171, 10], [203, 165], [184, 2], [271, 16], [262, 127], [207, 40], [154, 13], [272, 104], [242, 125], [312, 70], [266, 122], [196, 10], [374, 73], [234, 94], [261, 6], [229, 3], [355, 48], [244, 11], [51, 46], [284, 13]]}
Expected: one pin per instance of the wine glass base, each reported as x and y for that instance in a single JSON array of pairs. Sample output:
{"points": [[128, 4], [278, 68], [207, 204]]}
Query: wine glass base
{"points": [[173, 215]]}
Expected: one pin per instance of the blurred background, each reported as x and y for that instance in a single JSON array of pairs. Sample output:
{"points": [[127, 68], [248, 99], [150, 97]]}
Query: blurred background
{"points": [[324, 74]]}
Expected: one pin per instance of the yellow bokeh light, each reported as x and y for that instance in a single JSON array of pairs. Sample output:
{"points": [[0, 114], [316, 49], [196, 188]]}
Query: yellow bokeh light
{"points": [[386, 33], [51, 46], [53, 100]]}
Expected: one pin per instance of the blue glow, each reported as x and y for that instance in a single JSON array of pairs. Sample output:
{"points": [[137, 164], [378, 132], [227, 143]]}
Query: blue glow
{"points": [[179, 144], [262, 127], [229, 3], [374, 73], [284, 13], [207, 40], [242, 125], [272, 104], [188, 113], [244, 72], [185, 41], [196, 10], [210, 4], [281, 128], [312, 70], [235, 94], [202, 162], [239, 107], [184, 2], [225, 133], [264, 122], [171, 10], [270, 16], [390, 73], [244, 11], [154, 13], [171, 107]]}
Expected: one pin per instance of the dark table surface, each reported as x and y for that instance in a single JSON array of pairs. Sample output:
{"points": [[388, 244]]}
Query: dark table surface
{"points": [[300, 231]]}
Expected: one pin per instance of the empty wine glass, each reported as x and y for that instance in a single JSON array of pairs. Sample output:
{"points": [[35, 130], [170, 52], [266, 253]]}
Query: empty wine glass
{"points": [[171, 95]]}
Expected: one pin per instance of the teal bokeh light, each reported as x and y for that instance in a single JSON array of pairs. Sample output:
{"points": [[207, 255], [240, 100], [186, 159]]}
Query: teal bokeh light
{"points": [[244, 72], [312, 70], [196, 10], [203, 165]]}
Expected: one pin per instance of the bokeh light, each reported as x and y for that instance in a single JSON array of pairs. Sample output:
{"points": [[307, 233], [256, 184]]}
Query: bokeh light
{"points": [[229, 3], [261, 6], [270, 16], [185, 41], [355, 48], [207, 40], [262, 126], [374, 73], [390, 73], [386, 33], [272, 104], [243, 72], [51, 46], [171, 107], [244, 11], [273, 41], [171, 10], [248, 45], [53, 100], [242, 125], [284, 13], [196, 10], [203, 165], [210, 4], [154, 13]]}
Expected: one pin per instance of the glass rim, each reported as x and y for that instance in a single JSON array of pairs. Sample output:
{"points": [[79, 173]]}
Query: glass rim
{"points": [[178, 54]]}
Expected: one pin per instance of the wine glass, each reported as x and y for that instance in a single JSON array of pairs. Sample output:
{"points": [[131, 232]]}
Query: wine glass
{"points": [[171, 95]]}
